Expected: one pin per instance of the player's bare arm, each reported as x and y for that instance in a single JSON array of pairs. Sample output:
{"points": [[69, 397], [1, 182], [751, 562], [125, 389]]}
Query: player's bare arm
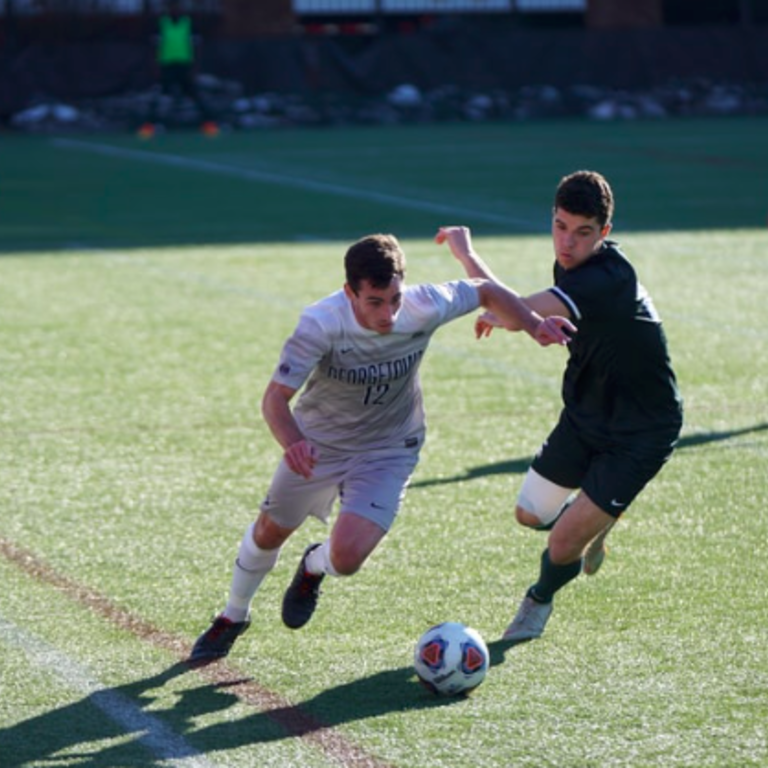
{"points": [[545, 304], [511, 311], [459, 240], [506, 308], [275, 406]]}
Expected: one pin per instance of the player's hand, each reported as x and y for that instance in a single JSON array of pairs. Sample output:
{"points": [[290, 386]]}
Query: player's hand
{"points": [[485, 324], [554, 330], [459, 240], [301, 458]]}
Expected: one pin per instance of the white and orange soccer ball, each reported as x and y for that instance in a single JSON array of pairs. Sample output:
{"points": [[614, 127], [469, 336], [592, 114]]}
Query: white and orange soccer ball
{"points": [[451, 658]]}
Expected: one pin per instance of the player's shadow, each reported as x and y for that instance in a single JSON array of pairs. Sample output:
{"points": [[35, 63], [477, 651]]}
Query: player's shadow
{"points": [[79, 730], [704, 438], [513, 467], [519, 466], [76, 730], [393, 690]]}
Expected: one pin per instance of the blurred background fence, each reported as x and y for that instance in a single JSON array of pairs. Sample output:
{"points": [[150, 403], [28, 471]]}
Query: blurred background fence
{"points": [[76, 49], [290, 16]]}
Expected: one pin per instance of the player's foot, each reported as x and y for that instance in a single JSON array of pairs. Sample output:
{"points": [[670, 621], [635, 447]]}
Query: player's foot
{"points": [[529, 622], [217, 641], [595, 553], [593, 558], [300, 599]]}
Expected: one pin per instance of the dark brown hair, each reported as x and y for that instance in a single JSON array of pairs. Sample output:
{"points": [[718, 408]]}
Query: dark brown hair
{"points": [[586, 193], [376, 258]]}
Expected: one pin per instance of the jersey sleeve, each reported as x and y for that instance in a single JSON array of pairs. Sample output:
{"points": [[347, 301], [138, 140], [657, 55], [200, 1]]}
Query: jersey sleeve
{"points": [[301, 353], [448, 301]]}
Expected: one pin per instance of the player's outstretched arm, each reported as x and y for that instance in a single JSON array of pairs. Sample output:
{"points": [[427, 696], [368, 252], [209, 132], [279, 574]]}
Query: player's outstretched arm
{"points": [[459, 240], [508, 310]]}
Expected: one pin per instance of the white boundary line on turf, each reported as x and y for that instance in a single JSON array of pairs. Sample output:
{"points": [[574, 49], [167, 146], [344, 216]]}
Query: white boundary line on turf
{"points": [[150, 731], [309, 185]]}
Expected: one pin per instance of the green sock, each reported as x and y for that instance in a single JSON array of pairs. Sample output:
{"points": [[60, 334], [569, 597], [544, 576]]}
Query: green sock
{"points": [[552, 578]]}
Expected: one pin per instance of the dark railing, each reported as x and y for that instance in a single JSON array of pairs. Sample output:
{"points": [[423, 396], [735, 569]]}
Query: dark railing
{"points": [[397, 7], [301, 7]]}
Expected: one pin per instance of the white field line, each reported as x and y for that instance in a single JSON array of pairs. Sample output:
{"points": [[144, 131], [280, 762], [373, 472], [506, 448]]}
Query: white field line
{"points": [[295, 182], [151, 732]]}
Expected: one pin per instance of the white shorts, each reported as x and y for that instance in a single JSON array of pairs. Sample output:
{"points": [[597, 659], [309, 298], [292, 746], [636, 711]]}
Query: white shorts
{"points": [[370, 484]]}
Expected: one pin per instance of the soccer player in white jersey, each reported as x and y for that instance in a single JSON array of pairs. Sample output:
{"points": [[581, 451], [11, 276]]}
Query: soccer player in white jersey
{"points": [[356, 430]]}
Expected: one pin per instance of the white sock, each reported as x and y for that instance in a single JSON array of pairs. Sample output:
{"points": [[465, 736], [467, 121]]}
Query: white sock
{"points": [[319, 560], [251, 566]]}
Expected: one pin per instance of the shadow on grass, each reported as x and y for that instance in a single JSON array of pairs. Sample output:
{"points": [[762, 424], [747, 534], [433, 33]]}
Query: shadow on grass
{"points": [[519, 466], [393, 690], [149, 736], [73, 732]]}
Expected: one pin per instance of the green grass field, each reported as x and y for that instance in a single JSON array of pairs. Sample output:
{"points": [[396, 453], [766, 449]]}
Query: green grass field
{"points": [[145, 291]]}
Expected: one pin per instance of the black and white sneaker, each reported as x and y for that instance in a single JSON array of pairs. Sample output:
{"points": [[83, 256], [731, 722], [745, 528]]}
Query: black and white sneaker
{"points": [[217, 641], [300, 599]]}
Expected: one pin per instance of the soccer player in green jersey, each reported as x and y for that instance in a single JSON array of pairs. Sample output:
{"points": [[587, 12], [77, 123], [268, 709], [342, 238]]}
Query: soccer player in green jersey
{"points": [[622, 411], [356, 429]]}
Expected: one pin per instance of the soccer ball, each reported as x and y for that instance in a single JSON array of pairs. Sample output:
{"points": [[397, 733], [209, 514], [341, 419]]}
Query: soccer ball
{"points": [[451, 658]]}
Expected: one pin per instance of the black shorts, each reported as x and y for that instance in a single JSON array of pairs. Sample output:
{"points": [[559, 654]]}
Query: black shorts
{"points": [[610, 471]]}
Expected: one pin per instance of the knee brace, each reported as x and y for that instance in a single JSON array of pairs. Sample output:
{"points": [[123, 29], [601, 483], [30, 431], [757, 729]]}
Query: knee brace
{"points": [[542, 498]]}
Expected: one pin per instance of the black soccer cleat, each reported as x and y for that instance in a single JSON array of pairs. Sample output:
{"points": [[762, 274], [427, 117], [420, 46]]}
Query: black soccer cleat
{"points": [[217, 641], [300, 599]]}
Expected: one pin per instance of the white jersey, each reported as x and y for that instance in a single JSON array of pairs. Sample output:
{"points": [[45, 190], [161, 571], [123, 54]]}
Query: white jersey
{"points": [[362, 387]]}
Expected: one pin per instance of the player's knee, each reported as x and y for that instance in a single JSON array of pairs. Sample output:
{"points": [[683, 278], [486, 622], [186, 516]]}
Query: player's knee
{"points": [[346, 562], [540, 501], [267, 534], [526, 518]]}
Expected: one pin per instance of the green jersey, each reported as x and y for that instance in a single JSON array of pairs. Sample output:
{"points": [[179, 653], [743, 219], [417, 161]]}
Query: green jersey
{"points": [[176, 46], [619, 381]]}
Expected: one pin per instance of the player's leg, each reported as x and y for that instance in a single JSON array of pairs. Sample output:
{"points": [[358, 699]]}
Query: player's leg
{"points": [[288, 503], [579, 524], [257, 555], [373, 490], [612, 481], [188, 86], [596, 550], [545, 501], [616, 479], [540, 501], [149, 126], [169, 89], [351, 542]]}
